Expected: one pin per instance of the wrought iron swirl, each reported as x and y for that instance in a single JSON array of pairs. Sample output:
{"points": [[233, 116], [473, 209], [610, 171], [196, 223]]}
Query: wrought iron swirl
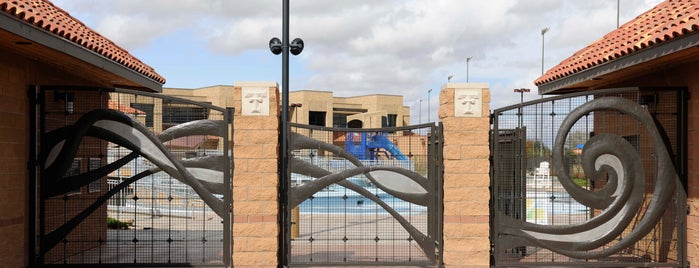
{"points": [[620, 200], [383, 177], [204, 174]]}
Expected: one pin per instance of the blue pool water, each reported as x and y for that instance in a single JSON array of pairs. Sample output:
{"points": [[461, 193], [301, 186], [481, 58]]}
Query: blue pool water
{"points": [[335, 202]]}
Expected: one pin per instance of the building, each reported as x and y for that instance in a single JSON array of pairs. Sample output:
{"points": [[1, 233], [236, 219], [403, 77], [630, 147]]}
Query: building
{"points": [[656, 53], [313, 107], [42, 45], [321, 108]]}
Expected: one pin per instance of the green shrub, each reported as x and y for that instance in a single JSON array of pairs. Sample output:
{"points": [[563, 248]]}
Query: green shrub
{"points": [[113, 223], [581, 181]]}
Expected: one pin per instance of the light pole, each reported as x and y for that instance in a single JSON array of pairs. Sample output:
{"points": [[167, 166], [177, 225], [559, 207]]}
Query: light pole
{"points": [[420, 112], [543, 32], [521, 92], [294, 107], [618, 9], [541, 113], [284, 47], [467, 61], [428, 105]]}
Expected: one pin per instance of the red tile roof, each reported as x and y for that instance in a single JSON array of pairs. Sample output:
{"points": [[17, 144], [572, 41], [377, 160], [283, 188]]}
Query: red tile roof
{"points": [[113, 105], [45, 15], [668, 20]]}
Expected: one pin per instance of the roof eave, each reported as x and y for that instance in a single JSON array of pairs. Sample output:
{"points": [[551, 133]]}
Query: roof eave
{"points": [[642, 56], [39, 36]]}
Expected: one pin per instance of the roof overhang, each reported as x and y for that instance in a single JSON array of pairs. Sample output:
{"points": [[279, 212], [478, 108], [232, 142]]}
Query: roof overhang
{"points": [[671, 52], [87, 62]]}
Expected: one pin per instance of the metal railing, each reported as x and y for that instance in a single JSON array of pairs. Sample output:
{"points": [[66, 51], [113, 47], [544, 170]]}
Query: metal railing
{"points": [[123, 183], [366, 196], [592, 178]]}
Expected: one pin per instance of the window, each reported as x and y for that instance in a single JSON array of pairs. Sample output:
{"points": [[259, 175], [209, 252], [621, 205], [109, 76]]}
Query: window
{"points": [[178, 114], [74, 170], [148, 109], [316, 118], [354, 124], [389, 121], [392, 119], [339, 120], [94, 164]]}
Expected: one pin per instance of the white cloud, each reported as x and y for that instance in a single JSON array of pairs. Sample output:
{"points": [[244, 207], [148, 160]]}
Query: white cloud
{"points": [[378, 46]]}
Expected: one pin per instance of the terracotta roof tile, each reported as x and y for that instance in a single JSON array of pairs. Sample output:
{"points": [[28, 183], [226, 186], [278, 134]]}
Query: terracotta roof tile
{"points": [[668, 20], [124, 109], [45, 15]]}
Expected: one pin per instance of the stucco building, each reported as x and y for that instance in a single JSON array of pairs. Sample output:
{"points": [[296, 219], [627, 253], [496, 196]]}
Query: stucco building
{"points": [[321, 108], [655, 53], [315, 107]]}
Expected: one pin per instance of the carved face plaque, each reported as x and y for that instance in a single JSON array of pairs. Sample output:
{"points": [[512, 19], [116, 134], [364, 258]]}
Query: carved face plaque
{"points": [[468, 102], [255, 101]]}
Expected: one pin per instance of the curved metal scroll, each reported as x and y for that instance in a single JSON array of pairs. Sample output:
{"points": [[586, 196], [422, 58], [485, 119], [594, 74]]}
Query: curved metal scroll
{"points": [[204, 174], [620, 200], [411, 186]]}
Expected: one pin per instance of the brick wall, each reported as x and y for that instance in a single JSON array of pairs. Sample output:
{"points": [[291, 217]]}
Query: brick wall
{"points": [[60, 209], [17, 73], [14, 144], [255, 184], [693, 174], [466, 180]]}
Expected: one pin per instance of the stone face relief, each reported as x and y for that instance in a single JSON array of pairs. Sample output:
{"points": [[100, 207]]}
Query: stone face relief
{"points": [[255, 101], [467, 103]]}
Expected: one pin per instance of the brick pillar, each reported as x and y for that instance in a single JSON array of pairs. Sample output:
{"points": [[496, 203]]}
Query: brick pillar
{"points": [[464, 113], [255, 179]]}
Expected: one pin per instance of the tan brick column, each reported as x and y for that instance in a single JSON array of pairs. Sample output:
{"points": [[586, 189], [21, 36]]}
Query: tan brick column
{"points": [[255, 180], [466, 173]]}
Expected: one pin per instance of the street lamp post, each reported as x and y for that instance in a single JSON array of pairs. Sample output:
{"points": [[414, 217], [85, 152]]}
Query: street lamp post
{"points": [[543, 32], [284, 47], [420, 112], [521, 92], [541, 113], [467, 61], [618, 10], [294, 107], [428, 105]]}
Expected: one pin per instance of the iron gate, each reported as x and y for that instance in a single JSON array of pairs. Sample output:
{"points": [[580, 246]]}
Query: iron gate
{"points": [[365, 196], [128, 177], [593, 178]]}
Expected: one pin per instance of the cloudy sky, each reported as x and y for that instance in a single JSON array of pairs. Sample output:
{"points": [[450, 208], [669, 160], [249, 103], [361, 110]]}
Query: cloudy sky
{"points": [[357, 47]]}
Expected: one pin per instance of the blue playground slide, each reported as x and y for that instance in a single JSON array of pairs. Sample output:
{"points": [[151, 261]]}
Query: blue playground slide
{"points": [[367, 147], [381, 141]]}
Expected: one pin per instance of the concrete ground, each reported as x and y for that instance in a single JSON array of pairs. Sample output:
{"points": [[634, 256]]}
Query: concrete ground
{"points": [[370, 239]]}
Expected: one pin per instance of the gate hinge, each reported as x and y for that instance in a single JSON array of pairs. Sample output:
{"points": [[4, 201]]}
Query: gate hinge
{"points": [[492, 118]]}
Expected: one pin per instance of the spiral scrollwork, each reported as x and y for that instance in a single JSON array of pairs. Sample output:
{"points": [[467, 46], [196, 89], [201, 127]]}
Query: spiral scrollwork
{"points": [[621, 200]]}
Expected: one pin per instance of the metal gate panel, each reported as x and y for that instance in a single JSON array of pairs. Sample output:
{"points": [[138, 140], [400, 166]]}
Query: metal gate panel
{"points": [[128, 177], [365, 196], [592, 178]]}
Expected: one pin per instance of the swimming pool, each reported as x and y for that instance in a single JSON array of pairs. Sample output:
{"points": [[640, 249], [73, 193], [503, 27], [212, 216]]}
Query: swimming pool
{"points": [[341, 200]]}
